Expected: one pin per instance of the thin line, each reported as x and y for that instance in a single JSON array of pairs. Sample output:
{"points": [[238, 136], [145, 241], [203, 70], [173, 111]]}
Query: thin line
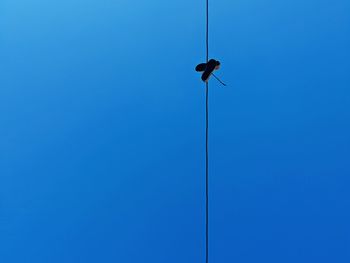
{"points": [[207, 143], [207, 175], [218, 80], [207, 30]]}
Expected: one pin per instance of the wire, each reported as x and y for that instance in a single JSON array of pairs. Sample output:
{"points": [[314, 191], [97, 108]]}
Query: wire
{"points": [[207, 174], [207, 143], [207, 29], [218, 80]]}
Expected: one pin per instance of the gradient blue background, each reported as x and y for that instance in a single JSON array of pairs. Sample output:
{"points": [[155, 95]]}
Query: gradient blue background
{"points": [[102, 131]]}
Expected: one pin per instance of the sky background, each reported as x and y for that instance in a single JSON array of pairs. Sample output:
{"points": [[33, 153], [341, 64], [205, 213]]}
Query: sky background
{"points": [[102, 131]]}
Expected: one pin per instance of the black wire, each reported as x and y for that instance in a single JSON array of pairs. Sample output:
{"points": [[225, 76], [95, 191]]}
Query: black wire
{"points": [[218, 79], [206, 144], [207, 175], [207, 30]]}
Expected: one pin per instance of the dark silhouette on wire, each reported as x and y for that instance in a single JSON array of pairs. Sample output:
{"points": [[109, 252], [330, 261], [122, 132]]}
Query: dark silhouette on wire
{"points": [[208, 69]]}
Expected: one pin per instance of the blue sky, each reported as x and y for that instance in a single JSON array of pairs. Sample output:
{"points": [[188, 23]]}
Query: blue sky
{"points": [[102, 131]]}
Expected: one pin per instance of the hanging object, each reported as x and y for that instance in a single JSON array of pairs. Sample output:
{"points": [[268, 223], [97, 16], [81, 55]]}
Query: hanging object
{"points": [[208, 70]]}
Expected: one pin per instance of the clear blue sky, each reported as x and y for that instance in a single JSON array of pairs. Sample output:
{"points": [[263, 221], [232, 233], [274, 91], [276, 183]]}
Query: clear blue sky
{"points": [[102, 131]]}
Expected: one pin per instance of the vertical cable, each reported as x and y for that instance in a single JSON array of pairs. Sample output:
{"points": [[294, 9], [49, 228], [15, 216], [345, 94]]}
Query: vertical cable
{"points": [[206, 143], [207, 29], [207, 175]]}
